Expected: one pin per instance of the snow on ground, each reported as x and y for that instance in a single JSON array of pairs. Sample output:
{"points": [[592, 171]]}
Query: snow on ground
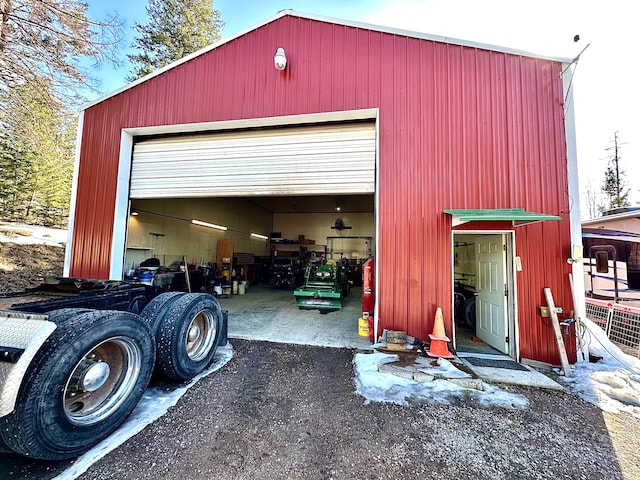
{"points": [[154, 404], [32, 234], [613, 383], [386, 387]]}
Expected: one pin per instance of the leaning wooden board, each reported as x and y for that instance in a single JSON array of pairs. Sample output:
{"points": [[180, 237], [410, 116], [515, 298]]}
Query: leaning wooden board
{"points": [[556, 329]]}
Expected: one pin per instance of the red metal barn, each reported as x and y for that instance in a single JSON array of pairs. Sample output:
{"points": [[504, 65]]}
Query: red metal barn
{"points": [[466, 150]]}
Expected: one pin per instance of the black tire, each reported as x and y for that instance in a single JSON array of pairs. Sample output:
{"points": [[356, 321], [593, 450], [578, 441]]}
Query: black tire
{"points": [[156, 309], [58, 317], [83, 383], [4, 448], [273, 283], [188, 336], [292, 283], [470, 312]]}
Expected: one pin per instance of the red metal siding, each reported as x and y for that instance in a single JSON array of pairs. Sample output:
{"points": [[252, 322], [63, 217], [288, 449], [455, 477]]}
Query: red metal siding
{"points": [[459, 127]]}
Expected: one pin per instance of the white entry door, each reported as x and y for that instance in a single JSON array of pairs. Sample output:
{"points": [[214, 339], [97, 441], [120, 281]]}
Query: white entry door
{"points": [[491, 288]]}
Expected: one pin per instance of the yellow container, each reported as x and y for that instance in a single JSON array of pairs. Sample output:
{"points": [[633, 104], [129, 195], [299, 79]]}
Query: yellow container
{"points": [[363, 327]]}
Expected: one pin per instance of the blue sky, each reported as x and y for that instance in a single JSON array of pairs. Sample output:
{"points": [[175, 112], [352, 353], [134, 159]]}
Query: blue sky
{"points": [[606, 96]]}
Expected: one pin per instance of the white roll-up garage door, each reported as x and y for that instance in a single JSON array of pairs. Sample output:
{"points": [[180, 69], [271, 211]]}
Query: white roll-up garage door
{"points": [[309, 160]]}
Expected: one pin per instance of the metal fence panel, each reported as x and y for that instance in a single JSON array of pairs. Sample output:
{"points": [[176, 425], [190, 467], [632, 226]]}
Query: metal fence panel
{"points": [[621, 323]]}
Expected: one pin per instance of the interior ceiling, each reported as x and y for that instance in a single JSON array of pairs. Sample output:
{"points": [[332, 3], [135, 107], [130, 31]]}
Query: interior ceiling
{"points": [[315, 204]]}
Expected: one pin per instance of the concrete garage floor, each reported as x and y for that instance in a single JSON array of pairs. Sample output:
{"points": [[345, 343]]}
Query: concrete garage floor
{"points": [[273, 316]]}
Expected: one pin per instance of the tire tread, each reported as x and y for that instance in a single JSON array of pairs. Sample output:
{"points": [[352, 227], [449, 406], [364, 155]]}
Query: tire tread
{"points": [[29, 430]]}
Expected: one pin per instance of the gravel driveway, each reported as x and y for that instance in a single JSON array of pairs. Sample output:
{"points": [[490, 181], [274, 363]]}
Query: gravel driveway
{"points": [[288, 412]]}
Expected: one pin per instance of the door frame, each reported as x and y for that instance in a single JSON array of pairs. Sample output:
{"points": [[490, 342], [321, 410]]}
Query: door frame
{"points": [[130, 134], [512, 300]]}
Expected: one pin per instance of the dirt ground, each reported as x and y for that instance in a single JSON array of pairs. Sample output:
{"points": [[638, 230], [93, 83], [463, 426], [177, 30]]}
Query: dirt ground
{"points": [[279, 411], [24, 266]]}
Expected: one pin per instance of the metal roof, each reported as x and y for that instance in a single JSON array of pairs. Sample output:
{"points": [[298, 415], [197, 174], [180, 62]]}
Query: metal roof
{"points": [[611, 218], [337, 21], [518, 216]]}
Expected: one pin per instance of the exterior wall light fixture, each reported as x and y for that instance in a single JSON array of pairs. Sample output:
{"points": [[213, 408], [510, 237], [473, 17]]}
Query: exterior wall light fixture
{"points": [[280, 59]]}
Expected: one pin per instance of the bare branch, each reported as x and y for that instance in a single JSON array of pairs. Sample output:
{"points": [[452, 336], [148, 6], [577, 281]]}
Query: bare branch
{"points": [[51, 38]]}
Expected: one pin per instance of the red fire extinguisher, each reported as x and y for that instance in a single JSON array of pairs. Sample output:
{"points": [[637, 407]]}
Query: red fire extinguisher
{"points": [[368, 286]]}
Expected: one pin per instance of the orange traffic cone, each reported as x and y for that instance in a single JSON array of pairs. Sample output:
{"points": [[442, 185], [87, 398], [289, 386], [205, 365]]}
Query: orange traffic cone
{"points": [[439, 339]]}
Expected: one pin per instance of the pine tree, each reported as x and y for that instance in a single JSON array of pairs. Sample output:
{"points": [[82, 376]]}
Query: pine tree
{"points": [[614, 183], [16, 177], [36, 159], [45, 50], [175, 29]]}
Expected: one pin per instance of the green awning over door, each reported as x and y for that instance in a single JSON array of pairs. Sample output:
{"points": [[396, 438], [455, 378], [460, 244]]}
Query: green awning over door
{"points": [[517, 216]]}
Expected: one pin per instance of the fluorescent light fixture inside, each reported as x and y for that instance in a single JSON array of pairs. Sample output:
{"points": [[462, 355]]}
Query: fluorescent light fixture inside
{"points": [[207, 224], [261, 237]]}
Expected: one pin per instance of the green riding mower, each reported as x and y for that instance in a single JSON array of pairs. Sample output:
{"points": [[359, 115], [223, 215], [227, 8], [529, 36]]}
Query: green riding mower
{"points": [[324, 287]]}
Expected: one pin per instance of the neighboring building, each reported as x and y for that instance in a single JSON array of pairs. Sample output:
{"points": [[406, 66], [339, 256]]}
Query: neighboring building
{"points": [[457, 159], [625, 220], [618, 231]]}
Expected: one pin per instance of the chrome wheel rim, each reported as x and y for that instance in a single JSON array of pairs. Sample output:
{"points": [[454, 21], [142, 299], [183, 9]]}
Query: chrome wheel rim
{"points": [[101, 381], [201, 335]]}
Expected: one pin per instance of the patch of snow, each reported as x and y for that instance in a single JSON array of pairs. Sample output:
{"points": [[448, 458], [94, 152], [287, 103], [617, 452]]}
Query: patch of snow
{"points": [[38, 235], [154, 404], [445, 368], [613, 383], [386, 387]]}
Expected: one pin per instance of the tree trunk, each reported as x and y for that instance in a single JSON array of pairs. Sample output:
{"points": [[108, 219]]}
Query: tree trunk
{"points": [[5, 8]]}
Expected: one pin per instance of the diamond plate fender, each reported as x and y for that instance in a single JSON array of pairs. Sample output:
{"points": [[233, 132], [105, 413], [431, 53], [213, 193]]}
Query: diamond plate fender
{"points": [[22, 331]]}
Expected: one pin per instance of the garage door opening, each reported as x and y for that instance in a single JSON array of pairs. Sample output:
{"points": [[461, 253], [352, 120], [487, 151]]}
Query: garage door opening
{"points": [[267, 242], [241, 201]]}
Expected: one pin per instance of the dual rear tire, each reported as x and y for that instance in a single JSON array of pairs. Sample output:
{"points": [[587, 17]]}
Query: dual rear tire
{"points": [[187, 330], [91, 372], [83, 383]]}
